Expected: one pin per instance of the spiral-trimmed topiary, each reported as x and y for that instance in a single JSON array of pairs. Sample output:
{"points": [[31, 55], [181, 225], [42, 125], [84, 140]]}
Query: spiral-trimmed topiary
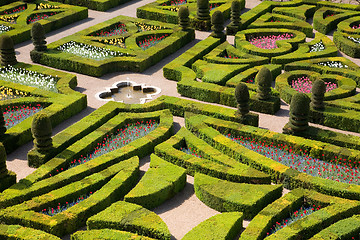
{"points": [[242, 97], [317, 95], [41, 130], [184, 20], [3, 169], [235, 24], [38, 37], [7, 51], [299, 113], [217, 22], [203, 10], [263, 80]]}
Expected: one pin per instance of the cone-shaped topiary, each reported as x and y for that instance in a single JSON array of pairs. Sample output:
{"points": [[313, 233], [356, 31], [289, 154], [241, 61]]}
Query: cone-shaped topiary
{"points": [[41, 130], [217, 21], [235, 23], [317, 95], [263, 80], [3, 169], [184, 20], [203, 10], [299, 112], [7, 51], [242, 98], [2, 124], [38, 37]]}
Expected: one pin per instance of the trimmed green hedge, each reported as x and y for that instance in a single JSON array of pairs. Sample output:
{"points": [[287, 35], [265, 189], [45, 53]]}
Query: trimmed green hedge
{"points": [[204, 127], [66, 15], [344, 43], [161, 182], [109, 185], [162, 10], [135, 58], [212, 162], [58, 106], [223, 226], [107, 234], [303, 52], [130, 217], [17, 232], [98, 5], [225, 196], [332, 209]]}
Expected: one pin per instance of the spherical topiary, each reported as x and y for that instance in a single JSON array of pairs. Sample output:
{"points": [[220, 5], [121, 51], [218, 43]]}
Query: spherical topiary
{"points": [[2, 124], [41, 130], [317, 95], [263, 80], [299, 112], [242, 98], [217, 21], [7, 51], [203, 10], [3, 169], [184, 20], [38, 37]]}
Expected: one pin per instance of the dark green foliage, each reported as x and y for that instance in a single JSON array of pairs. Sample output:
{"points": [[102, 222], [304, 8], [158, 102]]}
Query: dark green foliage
{"points": [[317, 95], [263, 80], [203, 11], [2, 124], [242, 98], [3, 170], [38, 37], [235, 24], [7, 51], [299, 112], [217, 21], [41, 130], [184, 20]]}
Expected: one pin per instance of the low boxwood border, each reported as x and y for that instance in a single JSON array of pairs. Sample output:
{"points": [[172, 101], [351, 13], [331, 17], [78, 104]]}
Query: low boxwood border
{"points": [[17, 232], [98, 5], [20, 31], [107, 234], [346, 45]]}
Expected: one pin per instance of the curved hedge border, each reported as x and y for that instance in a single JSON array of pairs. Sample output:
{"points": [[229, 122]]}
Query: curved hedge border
{"points": [[108, 185], [107, 234], [179, 70], [213, 162], [161, 182], [137, 61], [58, 106], [204, 127], [345, 26], [223, 226], [346, 45], [284, 46], [346, 86], [161, 10], [20, 31], [130, 217], [301, 12], [335, 209], [17, 232], [39, 181], [98, 5], [303, 52], [225, 196]]}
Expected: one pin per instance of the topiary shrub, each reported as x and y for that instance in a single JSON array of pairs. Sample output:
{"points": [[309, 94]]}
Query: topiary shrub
{"points": [[41, 130], [317, 95], [38, 37], [217, 22], [263, 80], [3, 169], [184, 20], [242, 98], [203, 10], [235, 24], [2, 124], [7, 51], [299, 113]]}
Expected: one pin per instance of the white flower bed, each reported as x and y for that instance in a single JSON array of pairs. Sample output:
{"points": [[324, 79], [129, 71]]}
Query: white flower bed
{"points": [[333, 64], [88, 51], [356, 40], [4, 28], [318, 47], [28, 78]]}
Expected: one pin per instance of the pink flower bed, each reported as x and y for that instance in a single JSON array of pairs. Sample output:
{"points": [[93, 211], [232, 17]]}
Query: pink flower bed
{"points": [[269, 42], [304, 85]]}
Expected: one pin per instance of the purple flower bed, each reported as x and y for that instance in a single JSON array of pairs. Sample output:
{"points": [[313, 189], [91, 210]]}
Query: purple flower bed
{"points": [[269, 42], [304, 85]]}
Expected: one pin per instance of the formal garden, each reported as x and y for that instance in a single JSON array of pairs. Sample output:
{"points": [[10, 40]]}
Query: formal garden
{"points": [[179, 119]]}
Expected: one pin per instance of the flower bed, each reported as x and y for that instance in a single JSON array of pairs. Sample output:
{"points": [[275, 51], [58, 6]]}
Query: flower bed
{"points": [[9, 93], [268, 42], [151, 41], [304, 84], [37, 17], [333, 64], [16, 114], [118, 29], [317, 47], [4, 28], [29, 78]]}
